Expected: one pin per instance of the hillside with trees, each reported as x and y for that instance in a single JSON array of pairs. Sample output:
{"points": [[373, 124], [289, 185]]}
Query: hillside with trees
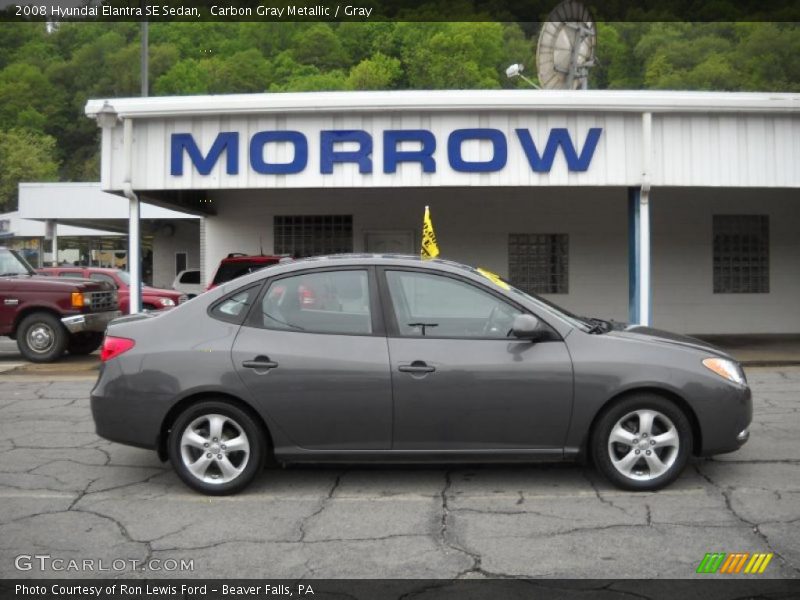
{"points": [[47, 76]]}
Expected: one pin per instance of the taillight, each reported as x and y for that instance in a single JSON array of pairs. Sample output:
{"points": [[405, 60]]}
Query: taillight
{"points": [[306, 296], [114, 346]]}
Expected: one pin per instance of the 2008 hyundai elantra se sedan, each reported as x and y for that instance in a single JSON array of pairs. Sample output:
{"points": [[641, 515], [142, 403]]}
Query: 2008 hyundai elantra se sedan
{"points": [[362, 358]]}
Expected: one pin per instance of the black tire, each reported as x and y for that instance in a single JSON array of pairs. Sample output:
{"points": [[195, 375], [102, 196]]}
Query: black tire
{"points": [[194, 417], [41, 337], [84, 343], [638, 459]]}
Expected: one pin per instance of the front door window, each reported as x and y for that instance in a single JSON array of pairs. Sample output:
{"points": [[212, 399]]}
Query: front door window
{"points": [[437, 306]]}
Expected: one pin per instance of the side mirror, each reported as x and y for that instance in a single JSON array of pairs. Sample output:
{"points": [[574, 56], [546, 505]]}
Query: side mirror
{"points": [[527, 327]]}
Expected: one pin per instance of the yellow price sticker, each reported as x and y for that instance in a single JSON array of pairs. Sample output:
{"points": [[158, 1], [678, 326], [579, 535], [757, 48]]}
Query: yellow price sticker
{"points": [[494, 278]]}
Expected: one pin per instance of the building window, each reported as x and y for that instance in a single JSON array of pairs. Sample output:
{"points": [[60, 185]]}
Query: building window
{"points": [[741, 254], [180, 262], [538, 263], [313, 235]]}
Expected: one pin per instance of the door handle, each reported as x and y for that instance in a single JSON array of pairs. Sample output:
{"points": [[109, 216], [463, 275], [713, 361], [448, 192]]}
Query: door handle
{"points": [[418, 366], [260, 362]]}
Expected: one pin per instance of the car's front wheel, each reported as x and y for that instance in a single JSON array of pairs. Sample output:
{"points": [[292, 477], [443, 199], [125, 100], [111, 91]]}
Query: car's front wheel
{"points": [[642, 442], [216, 448]]}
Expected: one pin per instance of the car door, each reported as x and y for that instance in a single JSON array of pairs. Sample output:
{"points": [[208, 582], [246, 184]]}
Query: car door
{"points": [[320, 369], [459, 381]]}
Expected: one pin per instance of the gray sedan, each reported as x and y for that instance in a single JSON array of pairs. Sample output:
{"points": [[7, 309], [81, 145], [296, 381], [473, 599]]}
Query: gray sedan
{"points": [[393, 359]]}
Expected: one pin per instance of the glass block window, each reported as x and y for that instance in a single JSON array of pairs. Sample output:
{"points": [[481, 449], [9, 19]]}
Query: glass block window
{"points": [[741, 254], [539, 263], [313, 235]]}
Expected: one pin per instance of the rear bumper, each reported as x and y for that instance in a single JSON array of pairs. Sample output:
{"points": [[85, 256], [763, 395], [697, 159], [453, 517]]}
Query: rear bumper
{"points": [[90, 321]]}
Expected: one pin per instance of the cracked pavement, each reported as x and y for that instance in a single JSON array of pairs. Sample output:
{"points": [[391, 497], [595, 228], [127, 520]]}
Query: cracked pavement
{"points": [[67, 493]]}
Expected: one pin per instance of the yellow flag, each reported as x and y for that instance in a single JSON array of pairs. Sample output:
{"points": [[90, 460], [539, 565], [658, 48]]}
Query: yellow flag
{"points": [[494, 278], [429, 247]]}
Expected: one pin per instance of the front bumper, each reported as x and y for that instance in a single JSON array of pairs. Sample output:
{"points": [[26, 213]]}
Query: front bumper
{"points": [[725, 420], [90, 321]]}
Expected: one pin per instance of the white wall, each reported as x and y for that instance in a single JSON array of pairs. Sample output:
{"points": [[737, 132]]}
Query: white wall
{"points": [[185, 238], [472, 226], [684, 298]]}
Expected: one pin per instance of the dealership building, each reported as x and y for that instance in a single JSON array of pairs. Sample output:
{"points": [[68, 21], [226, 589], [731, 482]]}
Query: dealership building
{"points": [[679, 209]]}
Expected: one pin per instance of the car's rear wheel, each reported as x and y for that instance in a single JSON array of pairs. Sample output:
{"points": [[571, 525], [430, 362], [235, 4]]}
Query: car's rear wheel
{"points": [[41, 337], [85, 342], [642, 442], [216, 448]]}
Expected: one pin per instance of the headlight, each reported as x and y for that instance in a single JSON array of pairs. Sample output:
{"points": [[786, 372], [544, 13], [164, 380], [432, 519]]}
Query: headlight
{"points": [[166, 301], [728, 369], [79, 300]]}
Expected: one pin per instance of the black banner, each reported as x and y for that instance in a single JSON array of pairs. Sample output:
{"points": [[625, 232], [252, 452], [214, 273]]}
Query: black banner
{"points": [[390, 10], [711, 588]]}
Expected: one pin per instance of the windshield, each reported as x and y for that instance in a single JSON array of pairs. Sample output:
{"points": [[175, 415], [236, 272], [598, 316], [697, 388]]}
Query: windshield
{"points": [[12, 263], [125, 277], [567, 316]]}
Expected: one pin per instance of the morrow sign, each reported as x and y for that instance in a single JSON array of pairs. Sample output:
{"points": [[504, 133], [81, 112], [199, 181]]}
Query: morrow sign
{"points": [[395, 150]]}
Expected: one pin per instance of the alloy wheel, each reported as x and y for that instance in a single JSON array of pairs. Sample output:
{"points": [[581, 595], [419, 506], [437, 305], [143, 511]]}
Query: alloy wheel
{"points": [[643, 445], [215, 448]]}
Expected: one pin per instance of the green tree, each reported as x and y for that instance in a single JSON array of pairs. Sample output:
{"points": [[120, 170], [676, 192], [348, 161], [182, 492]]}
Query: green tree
{"points": [[186, 77], [27, 98], [319, 46], [459, 56], [379, 72], [24, 156], [244, 72], [313, 82]]}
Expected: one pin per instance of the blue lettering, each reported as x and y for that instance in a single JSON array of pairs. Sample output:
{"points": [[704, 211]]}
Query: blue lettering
{"points": [[264, 137], [499, 155], [227, 142], [329, 156], [559, 137], [424, 156]]}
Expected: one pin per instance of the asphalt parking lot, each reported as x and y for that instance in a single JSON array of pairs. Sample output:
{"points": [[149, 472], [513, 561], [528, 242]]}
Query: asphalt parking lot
{"points": [[70, 495]]}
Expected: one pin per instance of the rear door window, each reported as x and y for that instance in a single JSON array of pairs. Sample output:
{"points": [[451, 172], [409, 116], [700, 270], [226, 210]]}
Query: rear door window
{"points": [[336, 302]]}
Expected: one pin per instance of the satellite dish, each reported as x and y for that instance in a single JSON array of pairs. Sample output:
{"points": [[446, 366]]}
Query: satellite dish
{"points": [[565, 51]]}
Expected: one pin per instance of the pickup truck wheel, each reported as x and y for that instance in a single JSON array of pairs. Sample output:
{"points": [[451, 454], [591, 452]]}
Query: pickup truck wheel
{"points": [[84, 343], [41, 337]]}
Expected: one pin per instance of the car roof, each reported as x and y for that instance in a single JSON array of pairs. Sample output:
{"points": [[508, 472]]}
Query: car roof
{"points": [[365, 259], [252, 258], [81, 268]]}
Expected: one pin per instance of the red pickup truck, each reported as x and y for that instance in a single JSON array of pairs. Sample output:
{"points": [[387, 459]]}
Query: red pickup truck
{"points": [[152, 298], [48, 316]]}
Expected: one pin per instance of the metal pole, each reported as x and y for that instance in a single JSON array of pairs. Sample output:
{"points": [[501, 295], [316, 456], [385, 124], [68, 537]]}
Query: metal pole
{"points": [[134, 235], [645, 317], [134, 255], [51, 235], [144, 57], [634, 271], [644, 258]]}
